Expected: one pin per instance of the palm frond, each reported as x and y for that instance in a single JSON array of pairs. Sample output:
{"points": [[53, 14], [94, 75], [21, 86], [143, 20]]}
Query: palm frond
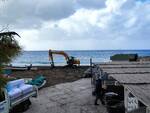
{"points": [[9, 48]]}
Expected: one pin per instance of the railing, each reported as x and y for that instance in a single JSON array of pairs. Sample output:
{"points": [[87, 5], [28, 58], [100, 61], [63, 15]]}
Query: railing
{"points": [[139, 110]]}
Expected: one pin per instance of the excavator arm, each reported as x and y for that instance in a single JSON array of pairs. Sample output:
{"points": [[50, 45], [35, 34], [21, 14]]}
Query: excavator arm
{"points": [[58, 53], [70, 60]]}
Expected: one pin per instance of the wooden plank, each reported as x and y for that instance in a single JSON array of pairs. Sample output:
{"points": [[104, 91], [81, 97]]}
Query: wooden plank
{"points": [[123, 63], [133, 75], [132, 78], [127, 70], [142, 92], [125, 66]]}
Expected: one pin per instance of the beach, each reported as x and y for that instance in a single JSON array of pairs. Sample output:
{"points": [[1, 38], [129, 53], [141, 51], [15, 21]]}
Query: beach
{"points": [[75, 56], [66, 90], [41, 58], [55, 75]]}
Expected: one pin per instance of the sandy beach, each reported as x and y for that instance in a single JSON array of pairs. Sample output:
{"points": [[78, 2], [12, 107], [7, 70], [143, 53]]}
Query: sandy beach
{"points": [[53, 75]]}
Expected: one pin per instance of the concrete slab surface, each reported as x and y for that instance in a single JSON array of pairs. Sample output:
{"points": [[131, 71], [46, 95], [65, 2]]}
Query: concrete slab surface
{"points": [[74, 97]]}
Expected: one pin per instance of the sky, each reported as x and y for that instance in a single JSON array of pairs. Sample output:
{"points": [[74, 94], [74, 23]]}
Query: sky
{"points": [[78, 24]]}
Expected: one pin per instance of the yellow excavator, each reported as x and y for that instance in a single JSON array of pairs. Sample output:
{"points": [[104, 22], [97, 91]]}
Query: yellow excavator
{"points": [[71, 61]]}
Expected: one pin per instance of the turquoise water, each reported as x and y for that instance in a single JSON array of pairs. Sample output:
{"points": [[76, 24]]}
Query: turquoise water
{"points": [[41, 57]]}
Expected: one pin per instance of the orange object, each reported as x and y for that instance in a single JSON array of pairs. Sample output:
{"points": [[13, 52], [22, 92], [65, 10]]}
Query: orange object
{"points": [[71, 61]]}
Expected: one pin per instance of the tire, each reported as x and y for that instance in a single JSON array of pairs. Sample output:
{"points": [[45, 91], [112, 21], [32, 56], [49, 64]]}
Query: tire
{"points": [[26, 104]]}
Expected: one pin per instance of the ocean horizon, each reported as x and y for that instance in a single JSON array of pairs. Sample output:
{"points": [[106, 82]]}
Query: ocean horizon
{"points": [[41, 57]]}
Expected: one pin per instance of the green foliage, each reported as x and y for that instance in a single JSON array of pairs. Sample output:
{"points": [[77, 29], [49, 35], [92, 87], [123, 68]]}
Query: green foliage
{"points": [[9, 48]]}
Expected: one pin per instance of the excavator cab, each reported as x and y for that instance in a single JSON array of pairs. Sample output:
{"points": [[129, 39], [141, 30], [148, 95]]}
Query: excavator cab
{"points": [[71, 61]]}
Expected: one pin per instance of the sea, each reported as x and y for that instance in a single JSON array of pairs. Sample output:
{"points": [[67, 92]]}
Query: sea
{"points": [[40, 58]]}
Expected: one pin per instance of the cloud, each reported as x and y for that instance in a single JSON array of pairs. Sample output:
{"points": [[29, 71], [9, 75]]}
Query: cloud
{"points": [[26, 13], [92, 4], [32, 14], [117, 24]]}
